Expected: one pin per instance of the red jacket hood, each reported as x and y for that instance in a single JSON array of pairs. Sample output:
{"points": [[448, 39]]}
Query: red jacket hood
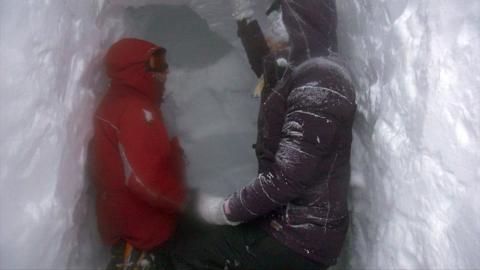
{"points": [[125, 64]]}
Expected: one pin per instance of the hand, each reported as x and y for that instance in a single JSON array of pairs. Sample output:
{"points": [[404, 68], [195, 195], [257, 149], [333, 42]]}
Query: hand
{"points": [[211, 209], [242, 9]]}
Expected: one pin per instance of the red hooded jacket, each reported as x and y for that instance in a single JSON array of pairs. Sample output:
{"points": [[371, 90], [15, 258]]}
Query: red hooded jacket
{"points": [[137, 167]]}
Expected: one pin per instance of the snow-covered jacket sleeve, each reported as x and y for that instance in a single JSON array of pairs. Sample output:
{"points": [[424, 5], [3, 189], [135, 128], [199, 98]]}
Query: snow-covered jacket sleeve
{"points": [[307, 135], [146, 154]]}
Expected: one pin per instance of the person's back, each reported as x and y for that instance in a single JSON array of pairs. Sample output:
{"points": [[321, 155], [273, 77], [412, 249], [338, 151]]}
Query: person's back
{"points": [[303, 149], [137, 173]]}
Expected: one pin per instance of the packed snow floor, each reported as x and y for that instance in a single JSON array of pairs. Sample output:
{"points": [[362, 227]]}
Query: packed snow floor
{"points": [[416, 153]]}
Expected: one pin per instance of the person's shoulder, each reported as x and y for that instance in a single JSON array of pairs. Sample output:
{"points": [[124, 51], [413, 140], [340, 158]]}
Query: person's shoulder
{"points": [[119, 105], [323, 68], [330, 74], [322, 85]]}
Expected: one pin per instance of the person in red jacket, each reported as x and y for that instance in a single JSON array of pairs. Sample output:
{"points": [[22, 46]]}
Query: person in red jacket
{"points": [[138, 169]]}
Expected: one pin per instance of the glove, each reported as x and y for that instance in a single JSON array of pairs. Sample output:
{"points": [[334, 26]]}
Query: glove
{"points": [[211, 210], [242, 9]]}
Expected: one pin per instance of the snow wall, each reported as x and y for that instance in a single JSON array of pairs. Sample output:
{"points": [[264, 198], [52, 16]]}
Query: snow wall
{"points": [[416, 173]]}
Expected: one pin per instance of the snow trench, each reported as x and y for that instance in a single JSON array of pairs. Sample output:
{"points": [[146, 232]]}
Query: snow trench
{"points": [[415, 157]]}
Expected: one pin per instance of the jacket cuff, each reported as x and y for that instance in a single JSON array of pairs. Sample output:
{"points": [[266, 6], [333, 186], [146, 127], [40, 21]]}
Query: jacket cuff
{"points": [[236, 211]]}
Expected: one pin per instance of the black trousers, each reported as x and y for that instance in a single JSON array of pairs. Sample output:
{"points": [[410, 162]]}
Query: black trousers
{"points": [[200, 247]]}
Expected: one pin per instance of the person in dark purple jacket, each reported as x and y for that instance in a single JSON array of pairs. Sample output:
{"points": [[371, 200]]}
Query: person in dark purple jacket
{"points": [[294, 215]]}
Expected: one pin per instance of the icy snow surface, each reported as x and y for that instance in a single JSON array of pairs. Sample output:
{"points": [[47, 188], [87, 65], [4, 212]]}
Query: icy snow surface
{"points": [[416, 156], [415, 178]]}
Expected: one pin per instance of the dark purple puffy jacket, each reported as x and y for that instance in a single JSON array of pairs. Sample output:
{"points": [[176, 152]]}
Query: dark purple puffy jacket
{"points": [[304, 141]]}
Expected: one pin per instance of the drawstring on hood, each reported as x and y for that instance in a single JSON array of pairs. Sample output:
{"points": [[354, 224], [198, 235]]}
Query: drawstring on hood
{"points": [[126, 65]]}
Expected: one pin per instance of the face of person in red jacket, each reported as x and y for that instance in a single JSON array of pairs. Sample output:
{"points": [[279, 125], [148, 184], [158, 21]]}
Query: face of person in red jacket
{"points": [[159, 69]]}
